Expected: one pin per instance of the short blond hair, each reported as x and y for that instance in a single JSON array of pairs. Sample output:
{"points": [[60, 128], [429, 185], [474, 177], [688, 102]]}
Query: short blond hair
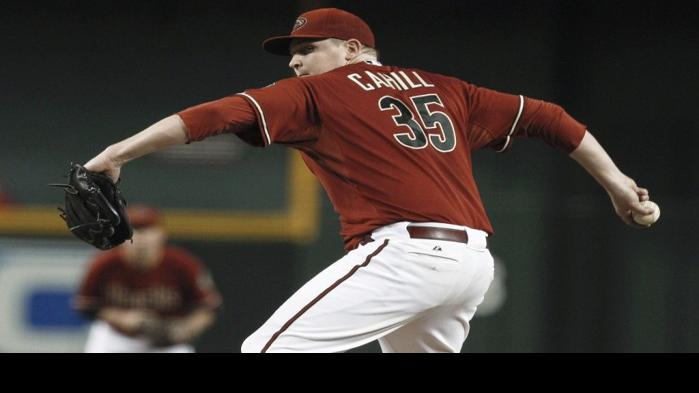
{"points": [[366, 50]]}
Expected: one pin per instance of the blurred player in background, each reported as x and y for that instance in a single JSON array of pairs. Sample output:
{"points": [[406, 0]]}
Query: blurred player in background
{"points": [[146, 296]]}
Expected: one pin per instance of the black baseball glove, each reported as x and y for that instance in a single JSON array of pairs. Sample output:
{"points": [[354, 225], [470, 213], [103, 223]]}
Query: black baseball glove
{"points": [[94, 208]]}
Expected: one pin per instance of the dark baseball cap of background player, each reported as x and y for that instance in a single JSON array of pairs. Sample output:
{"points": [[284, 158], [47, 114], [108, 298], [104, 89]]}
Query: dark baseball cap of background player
{"points": [[320, 24], [149, 237]]}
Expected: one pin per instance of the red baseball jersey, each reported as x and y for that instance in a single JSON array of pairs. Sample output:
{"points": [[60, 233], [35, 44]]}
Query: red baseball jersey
{"points": [[388, 144], [172, 288]]}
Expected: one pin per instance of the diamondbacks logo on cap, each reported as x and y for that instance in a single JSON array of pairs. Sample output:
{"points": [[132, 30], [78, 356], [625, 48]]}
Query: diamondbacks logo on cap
{"points": [[300, 22]]}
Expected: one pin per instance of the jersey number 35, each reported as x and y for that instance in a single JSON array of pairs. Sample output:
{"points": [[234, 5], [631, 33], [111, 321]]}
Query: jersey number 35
{"points": [[417, 138]]}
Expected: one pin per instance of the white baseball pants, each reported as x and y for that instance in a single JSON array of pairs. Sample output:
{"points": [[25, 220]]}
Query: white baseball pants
{"points": [[413, 295]]}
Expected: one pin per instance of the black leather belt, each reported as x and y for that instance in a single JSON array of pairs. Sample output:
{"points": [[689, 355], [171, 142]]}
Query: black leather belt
{"points": [[433, 233], [452, 235]]}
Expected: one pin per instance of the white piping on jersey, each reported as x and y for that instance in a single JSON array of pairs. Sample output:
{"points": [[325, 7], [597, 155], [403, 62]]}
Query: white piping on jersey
{"points": [[262, 116], [514, 125], [373, 62]]}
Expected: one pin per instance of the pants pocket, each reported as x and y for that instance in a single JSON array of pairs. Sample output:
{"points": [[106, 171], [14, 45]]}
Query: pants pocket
{"points": [[435, 255]]}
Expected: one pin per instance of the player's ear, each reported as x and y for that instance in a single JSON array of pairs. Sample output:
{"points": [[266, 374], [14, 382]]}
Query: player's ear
{"points": [[354, 48]]}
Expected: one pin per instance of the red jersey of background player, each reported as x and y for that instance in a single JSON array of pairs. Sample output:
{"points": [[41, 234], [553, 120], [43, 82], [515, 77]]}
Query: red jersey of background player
{"points": [[388, 144], [171, 289]]}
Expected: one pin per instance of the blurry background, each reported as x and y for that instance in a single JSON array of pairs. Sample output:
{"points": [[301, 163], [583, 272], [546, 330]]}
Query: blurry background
{"points": [[76, 76]]}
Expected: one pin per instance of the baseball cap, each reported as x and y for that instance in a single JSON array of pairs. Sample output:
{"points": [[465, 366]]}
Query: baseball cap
{"points": [[143, 216], [322, 23]]}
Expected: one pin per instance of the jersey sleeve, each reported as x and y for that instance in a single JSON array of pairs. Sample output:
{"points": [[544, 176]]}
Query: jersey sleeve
{"points": [[286, 111], [549, 122], [231, 114], [495, 118]]}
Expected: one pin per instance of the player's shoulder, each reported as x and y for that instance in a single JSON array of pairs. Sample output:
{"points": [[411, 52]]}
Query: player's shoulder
{"points": [[294, 84]]}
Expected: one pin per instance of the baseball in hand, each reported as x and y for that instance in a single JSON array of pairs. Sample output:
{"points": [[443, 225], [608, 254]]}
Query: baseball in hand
{"points": [[648, 218]]}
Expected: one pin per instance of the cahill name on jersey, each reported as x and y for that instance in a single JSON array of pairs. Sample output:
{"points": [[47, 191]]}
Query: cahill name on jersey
{"points": [[399, 80]]}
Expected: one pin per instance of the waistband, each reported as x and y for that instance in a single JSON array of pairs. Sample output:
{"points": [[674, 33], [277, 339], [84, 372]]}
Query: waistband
{"points": [[430, 230]]}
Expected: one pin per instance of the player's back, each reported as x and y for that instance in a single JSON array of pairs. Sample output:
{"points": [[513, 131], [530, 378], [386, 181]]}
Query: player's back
{"points": [[388, 143], [394, 146]]}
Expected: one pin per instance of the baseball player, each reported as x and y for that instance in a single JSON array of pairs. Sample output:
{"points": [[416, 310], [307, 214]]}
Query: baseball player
{"points": [[392, 148], [146, 296]]}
